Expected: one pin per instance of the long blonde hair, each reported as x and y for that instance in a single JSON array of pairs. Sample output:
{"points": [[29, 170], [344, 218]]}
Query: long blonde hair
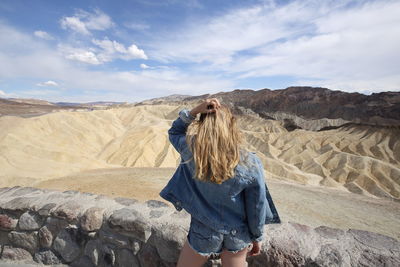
{"points": [[215, 141]]}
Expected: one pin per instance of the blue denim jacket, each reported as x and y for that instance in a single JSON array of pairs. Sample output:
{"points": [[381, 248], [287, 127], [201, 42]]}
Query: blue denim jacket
{"points": [[239, 202]]}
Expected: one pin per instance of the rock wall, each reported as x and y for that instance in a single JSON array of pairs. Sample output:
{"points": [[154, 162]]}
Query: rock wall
{"points": [[82, 229]]}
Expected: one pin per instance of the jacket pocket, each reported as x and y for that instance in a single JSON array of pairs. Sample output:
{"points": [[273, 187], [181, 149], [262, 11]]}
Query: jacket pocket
{"points": [[200, 230]]}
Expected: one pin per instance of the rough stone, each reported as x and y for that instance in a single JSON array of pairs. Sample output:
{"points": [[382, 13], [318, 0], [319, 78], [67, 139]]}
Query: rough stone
{"points": [[26, 240], [329, 232], [92, 219], [169, 241], [55, 225], [132, 222], [156, 213], [214, 263], [20, 191], [92, 251], [149, 257], [115, 238], [66, 246], [68, 211], [92, 235], [329, 255], [4, 238], [135, 247], [15, 254], [82, 262], [46, 257], [107, 256], [7, 223], [30, 221], [45, 210], [125, 258], [370, 258], [18, 205], [125, 201], [375, 240], [45, 237], [156, 204]]}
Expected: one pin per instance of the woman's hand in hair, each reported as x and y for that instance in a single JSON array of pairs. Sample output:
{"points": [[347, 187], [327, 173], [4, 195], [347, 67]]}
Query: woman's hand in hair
{"points": [[207, 106]]}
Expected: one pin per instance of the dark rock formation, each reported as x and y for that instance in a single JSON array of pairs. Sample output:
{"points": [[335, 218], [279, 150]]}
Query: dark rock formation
{"points": [[307, 103]]}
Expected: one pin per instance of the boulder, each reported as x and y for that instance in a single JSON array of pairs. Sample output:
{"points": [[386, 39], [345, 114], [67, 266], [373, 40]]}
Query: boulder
{"points": [[30, 221], [131, 222]]}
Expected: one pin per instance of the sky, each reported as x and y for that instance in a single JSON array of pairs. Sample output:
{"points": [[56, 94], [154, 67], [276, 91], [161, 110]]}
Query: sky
{"points": [[83, 51]]}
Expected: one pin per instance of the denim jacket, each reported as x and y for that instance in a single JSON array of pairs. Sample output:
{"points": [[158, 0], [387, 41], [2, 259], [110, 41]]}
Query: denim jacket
{"points": [[239, 202]]}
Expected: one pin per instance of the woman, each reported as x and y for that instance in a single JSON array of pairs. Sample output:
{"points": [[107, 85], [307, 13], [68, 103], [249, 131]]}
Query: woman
{"points": [[220, 184]]}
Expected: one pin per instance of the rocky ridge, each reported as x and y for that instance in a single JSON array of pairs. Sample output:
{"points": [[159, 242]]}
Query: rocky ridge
{"points": [[310, 107], [82, 229]]}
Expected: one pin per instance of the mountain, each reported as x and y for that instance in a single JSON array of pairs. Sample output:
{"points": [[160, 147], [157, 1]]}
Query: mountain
{"points": [[97, 103], [311, 108], [28, 107]]}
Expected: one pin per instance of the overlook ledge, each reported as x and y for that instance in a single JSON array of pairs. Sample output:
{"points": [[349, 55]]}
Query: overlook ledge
{"points": [[40, 226]]}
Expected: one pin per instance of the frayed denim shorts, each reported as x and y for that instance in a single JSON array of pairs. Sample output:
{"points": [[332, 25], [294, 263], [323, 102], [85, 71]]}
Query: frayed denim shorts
{"points": [[208, 242]]}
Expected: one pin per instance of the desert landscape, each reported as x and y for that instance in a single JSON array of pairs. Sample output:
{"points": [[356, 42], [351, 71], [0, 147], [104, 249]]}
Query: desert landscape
{"points": [[323, 167]]}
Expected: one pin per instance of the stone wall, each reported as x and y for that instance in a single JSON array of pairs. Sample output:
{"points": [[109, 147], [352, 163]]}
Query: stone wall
{"points": [[82, 229]]}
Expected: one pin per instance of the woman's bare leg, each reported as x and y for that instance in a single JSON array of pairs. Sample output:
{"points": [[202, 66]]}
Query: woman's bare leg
{"points": [[189, 257], [234, 259]]}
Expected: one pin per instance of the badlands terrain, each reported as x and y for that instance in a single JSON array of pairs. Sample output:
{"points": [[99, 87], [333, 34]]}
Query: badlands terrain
{"points": [[331, 170]]}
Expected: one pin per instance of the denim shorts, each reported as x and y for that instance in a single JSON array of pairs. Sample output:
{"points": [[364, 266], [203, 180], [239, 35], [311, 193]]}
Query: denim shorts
{"points": [[208, 242]]}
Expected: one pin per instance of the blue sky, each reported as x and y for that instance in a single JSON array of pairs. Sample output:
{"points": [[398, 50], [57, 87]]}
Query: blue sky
{"points": [[83, 51]]}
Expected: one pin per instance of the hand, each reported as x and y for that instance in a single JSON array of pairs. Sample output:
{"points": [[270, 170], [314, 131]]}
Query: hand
{"points": [[207, 106], [256, 249]]}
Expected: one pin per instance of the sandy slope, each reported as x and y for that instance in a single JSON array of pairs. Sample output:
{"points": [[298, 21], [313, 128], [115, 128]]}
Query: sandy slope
{"points": [[311, 205], [364, 160]]}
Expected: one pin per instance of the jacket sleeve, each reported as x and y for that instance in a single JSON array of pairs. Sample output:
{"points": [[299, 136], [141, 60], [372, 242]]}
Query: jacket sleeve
{"points": [[256, 202], [177, 132]]}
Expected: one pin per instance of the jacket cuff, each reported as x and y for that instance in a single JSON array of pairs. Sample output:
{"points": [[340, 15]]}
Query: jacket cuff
{"points": [[184, 114], [258, 239]]}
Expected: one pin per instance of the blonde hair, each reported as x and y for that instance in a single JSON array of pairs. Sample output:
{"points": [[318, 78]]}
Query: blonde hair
{"points": [[215, 141]]}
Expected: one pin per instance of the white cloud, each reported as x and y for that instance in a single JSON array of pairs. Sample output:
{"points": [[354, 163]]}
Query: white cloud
{"points": [[42, 61], [135, 52], [82, 22], [43, 35], [96, 21], [75, 24], [48, 83], [144, 66], [2, 93], [85, 55], [342, 43], [105, 51]]}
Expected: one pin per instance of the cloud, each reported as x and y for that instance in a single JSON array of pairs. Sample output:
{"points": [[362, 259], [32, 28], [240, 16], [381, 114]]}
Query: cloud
{"points": [[2, 93], [113, 49], [48, 83], [74, 24], [144, 66], [342, 43], [23, 56], [85, 55], [82, 22], [104, 51], [43, 35]]}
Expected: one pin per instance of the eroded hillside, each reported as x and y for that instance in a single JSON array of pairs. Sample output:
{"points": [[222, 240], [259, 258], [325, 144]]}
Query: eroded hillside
{"points": [[361, 159]]}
